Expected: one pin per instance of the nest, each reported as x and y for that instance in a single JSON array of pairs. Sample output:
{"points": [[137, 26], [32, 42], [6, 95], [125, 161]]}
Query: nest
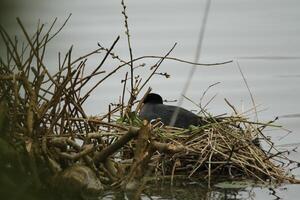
{"points": [[43, 120], [227, 148]]}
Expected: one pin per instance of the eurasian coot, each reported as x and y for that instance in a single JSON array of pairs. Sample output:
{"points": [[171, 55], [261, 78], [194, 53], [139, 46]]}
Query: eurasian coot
{"points": [[154, 108]]}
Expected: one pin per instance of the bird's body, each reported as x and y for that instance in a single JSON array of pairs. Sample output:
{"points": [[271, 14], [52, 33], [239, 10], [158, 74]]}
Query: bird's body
{"points": [[154, 108]]}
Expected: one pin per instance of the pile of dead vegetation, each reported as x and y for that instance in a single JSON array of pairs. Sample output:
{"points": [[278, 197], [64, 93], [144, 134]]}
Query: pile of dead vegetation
{"points": [[50, 137]]}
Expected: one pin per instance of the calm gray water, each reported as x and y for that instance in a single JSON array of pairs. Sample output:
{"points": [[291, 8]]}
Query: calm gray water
{"points": [[262, 36]]}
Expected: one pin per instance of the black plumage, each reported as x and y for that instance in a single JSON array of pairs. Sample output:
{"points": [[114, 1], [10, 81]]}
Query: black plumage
{"points": [[154, 108]]}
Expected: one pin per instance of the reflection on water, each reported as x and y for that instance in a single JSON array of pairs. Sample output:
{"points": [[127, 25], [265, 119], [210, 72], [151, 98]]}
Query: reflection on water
{"points": [[198, 192], [263, 36]]}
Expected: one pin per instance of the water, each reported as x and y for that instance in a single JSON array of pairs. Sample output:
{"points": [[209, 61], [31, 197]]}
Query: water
{"points": [[262, 36]]}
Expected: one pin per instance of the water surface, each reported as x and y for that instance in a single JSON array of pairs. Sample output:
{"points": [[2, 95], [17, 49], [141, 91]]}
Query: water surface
{"points": [[262, 36]]}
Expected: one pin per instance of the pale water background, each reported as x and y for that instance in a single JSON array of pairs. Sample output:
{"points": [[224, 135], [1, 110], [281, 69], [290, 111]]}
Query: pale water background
{"points": [[263, 36]]}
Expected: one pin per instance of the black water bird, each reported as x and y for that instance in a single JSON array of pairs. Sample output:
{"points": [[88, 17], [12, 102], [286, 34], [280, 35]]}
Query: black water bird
{"points": [[154, 108]]}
